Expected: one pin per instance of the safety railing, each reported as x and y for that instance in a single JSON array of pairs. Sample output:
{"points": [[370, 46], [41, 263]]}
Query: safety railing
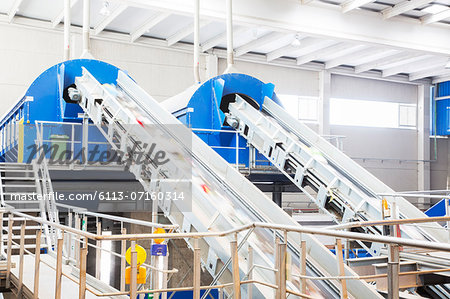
{"points": [[9, 129], [336, 140], [76, 139], [283, 279], [78, 218], [236, 148]]}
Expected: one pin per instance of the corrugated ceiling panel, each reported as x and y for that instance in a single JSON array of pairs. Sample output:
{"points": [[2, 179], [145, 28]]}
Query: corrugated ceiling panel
{"points": [[207, 32], [170, 26], [131, 19], [42, 9]]}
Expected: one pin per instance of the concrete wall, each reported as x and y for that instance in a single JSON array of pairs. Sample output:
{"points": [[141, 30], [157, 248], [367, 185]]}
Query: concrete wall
{"points": [[24, 54]]}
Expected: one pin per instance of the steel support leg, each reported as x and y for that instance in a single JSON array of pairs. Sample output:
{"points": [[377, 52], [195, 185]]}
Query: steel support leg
{"points": [[277, 196], [393, 271]]}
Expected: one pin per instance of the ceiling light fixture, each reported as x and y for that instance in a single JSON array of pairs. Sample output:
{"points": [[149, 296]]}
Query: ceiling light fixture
{"points": [[296, 42], [105, 9]]}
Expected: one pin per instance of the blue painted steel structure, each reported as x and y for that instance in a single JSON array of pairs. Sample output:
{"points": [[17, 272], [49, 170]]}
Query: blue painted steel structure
{"points": [[200, 108], [43, 101], [437, 210], [47, 90], [441, 109]]}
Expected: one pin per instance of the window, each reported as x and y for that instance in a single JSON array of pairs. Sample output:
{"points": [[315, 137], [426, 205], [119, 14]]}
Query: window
{"points": [[301, 107], [372, 114], [407, 115]]}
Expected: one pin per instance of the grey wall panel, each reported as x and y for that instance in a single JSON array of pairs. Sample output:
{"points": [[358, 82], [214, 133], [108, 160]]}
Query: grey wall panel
{"points": [[348, 87]]}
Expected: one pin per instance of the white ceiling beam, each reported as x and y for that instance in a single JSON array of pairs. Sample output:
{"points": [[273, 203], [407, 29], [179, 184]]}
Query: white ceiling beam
{"points": [[316, 20], [304, 2], [433, 18], [353, 4], [14, 9], [60, 16], [378, 63], [402, 63], [152, 22], [343, 56], [289, 63], [403, 7], [317, 53], [218, 39], [280, 52], [419, 65], [268, 38], [284, 50], [432, 72], [186, 31], [374, 56], [108, 19], [441, 78], [308, 49]]}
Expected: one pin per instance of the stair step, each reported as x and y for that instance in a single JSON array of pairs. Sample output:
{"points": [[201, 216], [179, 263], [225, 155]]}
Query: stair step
{"points": [[6, 166], [27, 246], [18, 178], [28, 227], [19, 186], [29, 210], [15, 170], [15, 219], [16, 202], [17, 237], [19, 193], [11, 165]]}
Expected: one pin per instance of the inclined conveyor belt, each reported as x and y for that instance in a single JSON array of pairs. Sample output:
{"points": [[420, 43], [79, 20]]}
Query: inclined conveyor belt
{"points": [[221, 197]]}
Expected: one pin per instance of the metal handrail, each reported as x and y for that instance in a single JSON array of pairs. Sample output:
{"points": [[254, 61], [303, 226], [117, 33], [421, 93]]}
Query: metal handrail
{"points": [[84, 211], [232, 232], [285, 229], [388, 222], [236, 147]]}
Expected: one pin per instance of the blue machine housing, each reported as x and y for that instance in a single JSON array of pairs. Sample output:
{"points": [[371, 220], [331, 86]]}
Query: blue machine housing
{"points": [[441, 109], [43, 101], [200, 108]]}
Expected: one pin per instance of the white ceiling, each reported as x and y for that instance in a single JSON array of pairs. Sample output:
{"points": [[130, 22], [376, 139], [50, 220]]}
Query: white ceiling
{"points": [[404, 20]]}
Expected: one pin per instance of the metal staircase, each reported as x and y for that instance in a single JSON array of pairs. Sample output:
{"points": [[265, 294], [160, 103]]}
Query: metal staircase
{"points": [[27, 188]]}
